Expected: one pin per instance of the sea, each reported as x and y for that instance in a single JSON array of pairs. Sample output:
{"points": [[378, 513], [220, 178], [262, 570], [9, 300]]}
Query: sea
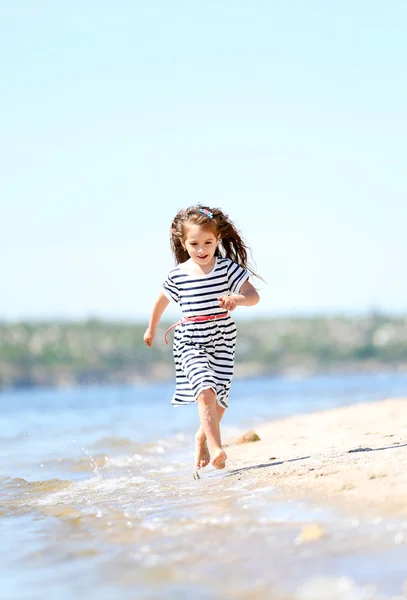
{"points": [[98, 501]]}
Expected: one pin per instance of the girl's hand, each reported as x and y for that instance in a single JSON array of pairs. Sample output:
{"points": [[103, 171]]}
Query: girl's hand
{"points": [[228, 302], [149, 337]]}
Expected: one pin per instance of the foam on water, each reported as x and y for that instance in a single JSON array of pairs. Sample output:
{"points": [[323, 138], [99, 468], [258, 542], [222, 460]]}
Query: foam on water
{"points": [[92, 490], [339, 588], [159, 521]]}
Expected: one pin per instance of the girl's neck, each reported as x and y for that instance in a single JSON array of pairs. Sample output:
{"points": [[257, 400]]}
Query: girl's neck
{"points": [[194, 269]]}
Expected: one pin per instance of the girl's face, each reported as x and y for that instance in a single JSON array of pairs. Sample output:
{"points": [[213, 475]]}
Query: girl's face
{"points": [[200, 244]]}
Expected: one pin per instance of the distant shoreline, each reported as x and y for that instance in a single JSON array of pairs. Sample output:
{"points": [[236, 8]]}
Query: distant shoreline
{"points": [[93, 352], [167, 375]]}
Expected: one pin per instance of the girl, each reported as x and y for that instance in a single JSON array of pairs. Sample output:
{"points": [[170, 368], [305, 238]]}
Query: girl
{"points": [[210, 280]]}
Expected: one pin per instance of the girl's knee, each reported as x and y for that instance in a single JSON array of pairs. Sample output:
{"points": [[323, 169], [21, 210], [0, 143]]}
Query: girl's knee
{"points": [[207, 396]]}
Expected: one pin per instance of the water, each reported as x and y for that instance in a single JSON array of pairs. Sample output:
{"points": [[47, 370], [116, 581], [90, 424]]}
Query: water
{"points": [[98, 502]]}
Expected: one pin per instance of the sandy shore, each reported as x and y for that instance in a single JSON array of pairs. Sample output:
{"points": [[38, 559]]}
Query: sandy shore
{"points": [[354, 457]]}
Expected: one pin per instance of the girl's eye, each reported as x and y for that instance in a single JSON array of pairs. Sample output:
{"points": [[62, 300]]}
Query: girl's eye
{"points": [[208, 242]]}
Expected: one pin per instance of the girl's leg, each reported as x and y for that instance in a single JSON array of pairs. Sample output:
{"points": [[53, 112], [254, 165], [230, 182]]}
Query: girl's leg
{"points": [[210, 424], [202, 457]]}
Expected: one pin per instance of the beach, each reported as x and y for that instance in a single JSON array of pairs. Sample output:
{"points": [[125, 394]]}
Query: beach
{"points": [[353, 457], [98, 499]]}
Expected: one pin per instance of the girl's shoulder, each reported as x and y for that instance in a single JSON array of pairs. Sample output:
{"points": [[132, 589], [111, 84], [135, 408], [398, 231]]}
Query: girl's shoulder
{"points": [[227, 262], [173, 272], [224, 261]]}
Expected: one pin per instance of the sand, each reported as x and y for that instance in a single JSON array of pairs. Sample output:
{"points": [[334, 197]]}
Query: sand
{"points": [[353, 457]]}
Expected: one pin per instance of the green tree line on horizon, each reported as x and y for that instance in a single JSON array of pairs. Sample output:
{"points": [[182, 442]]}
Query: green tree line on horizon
{"points": [[104, 352]]}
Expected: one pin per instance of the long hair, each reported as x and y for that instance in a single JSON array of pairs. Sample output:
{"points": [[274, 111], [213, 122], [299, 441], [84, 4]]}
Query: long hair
{"points": [[231, 244]]}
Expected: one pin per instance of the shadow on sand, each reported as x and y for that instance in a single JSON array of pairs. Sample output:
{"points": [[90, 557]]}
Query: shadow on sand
{"points": [[281, 462]]}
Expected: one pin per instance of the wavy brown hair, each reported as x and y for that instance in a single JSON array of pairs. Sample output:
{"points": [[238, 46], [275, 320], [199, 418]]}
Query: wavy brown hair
{"points": [[231, 244]]}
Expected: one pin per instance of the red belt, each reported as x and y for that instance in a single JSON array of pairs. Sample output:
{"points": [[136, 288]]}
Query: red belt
{"points": [[195, 320]]}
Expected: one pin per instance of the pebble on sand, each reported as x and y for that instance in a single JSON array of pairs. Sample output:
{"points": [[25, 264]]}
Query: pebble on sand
{"points": [[310, 533], [249, 436]]}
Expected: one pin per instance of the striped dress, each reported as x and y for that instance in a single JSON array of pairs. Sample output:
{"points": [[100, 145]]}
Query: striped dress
{"points": [[204, 352]]}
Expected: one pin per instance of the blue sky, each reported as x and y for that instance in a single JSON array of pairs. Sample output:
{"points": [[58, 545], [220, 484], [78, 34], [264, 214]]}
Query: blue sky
{"points": [[288, 115]]}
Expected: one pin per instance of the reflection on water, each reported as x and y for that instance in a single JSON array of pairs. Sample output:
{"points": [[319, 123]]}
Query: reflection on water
{"points": [[107, 514]]}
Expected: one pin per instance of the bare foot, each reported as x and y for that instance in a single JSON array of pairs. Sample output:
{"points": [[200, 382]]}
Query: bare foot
{"points": [[202, 456], [219, 459]]}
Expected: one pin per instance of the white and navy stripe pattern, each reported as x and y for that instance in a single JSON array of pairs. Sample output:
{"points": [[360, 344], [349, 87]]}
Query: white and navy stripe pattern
{"points": [[204, 352]]}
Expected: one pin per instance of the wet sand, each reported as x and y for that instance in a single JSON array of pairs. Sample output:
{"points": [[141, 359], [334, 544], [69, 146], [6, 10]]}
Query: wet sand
{"points": [[354, 458]]}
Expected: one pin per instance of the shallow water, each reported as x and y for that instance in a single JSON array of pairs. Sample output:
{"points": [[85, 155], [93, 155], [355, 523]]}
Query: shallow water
{"points": [[98, 502]]}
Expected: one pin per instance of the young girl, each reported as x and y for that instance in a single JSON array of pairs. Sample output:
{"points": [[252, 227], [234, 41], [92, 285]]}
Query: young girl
{"points": [[210, 280]]}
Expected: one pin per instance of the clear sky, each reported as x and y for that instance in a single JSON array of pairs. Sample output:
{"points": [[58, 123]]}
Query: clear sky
{"points": [[290, 116]]}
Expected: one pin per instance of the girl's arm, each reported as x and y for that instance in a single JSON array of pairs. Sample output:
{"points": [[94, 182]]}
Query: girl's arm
{"points": [[248, 297], [159, 307]]}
